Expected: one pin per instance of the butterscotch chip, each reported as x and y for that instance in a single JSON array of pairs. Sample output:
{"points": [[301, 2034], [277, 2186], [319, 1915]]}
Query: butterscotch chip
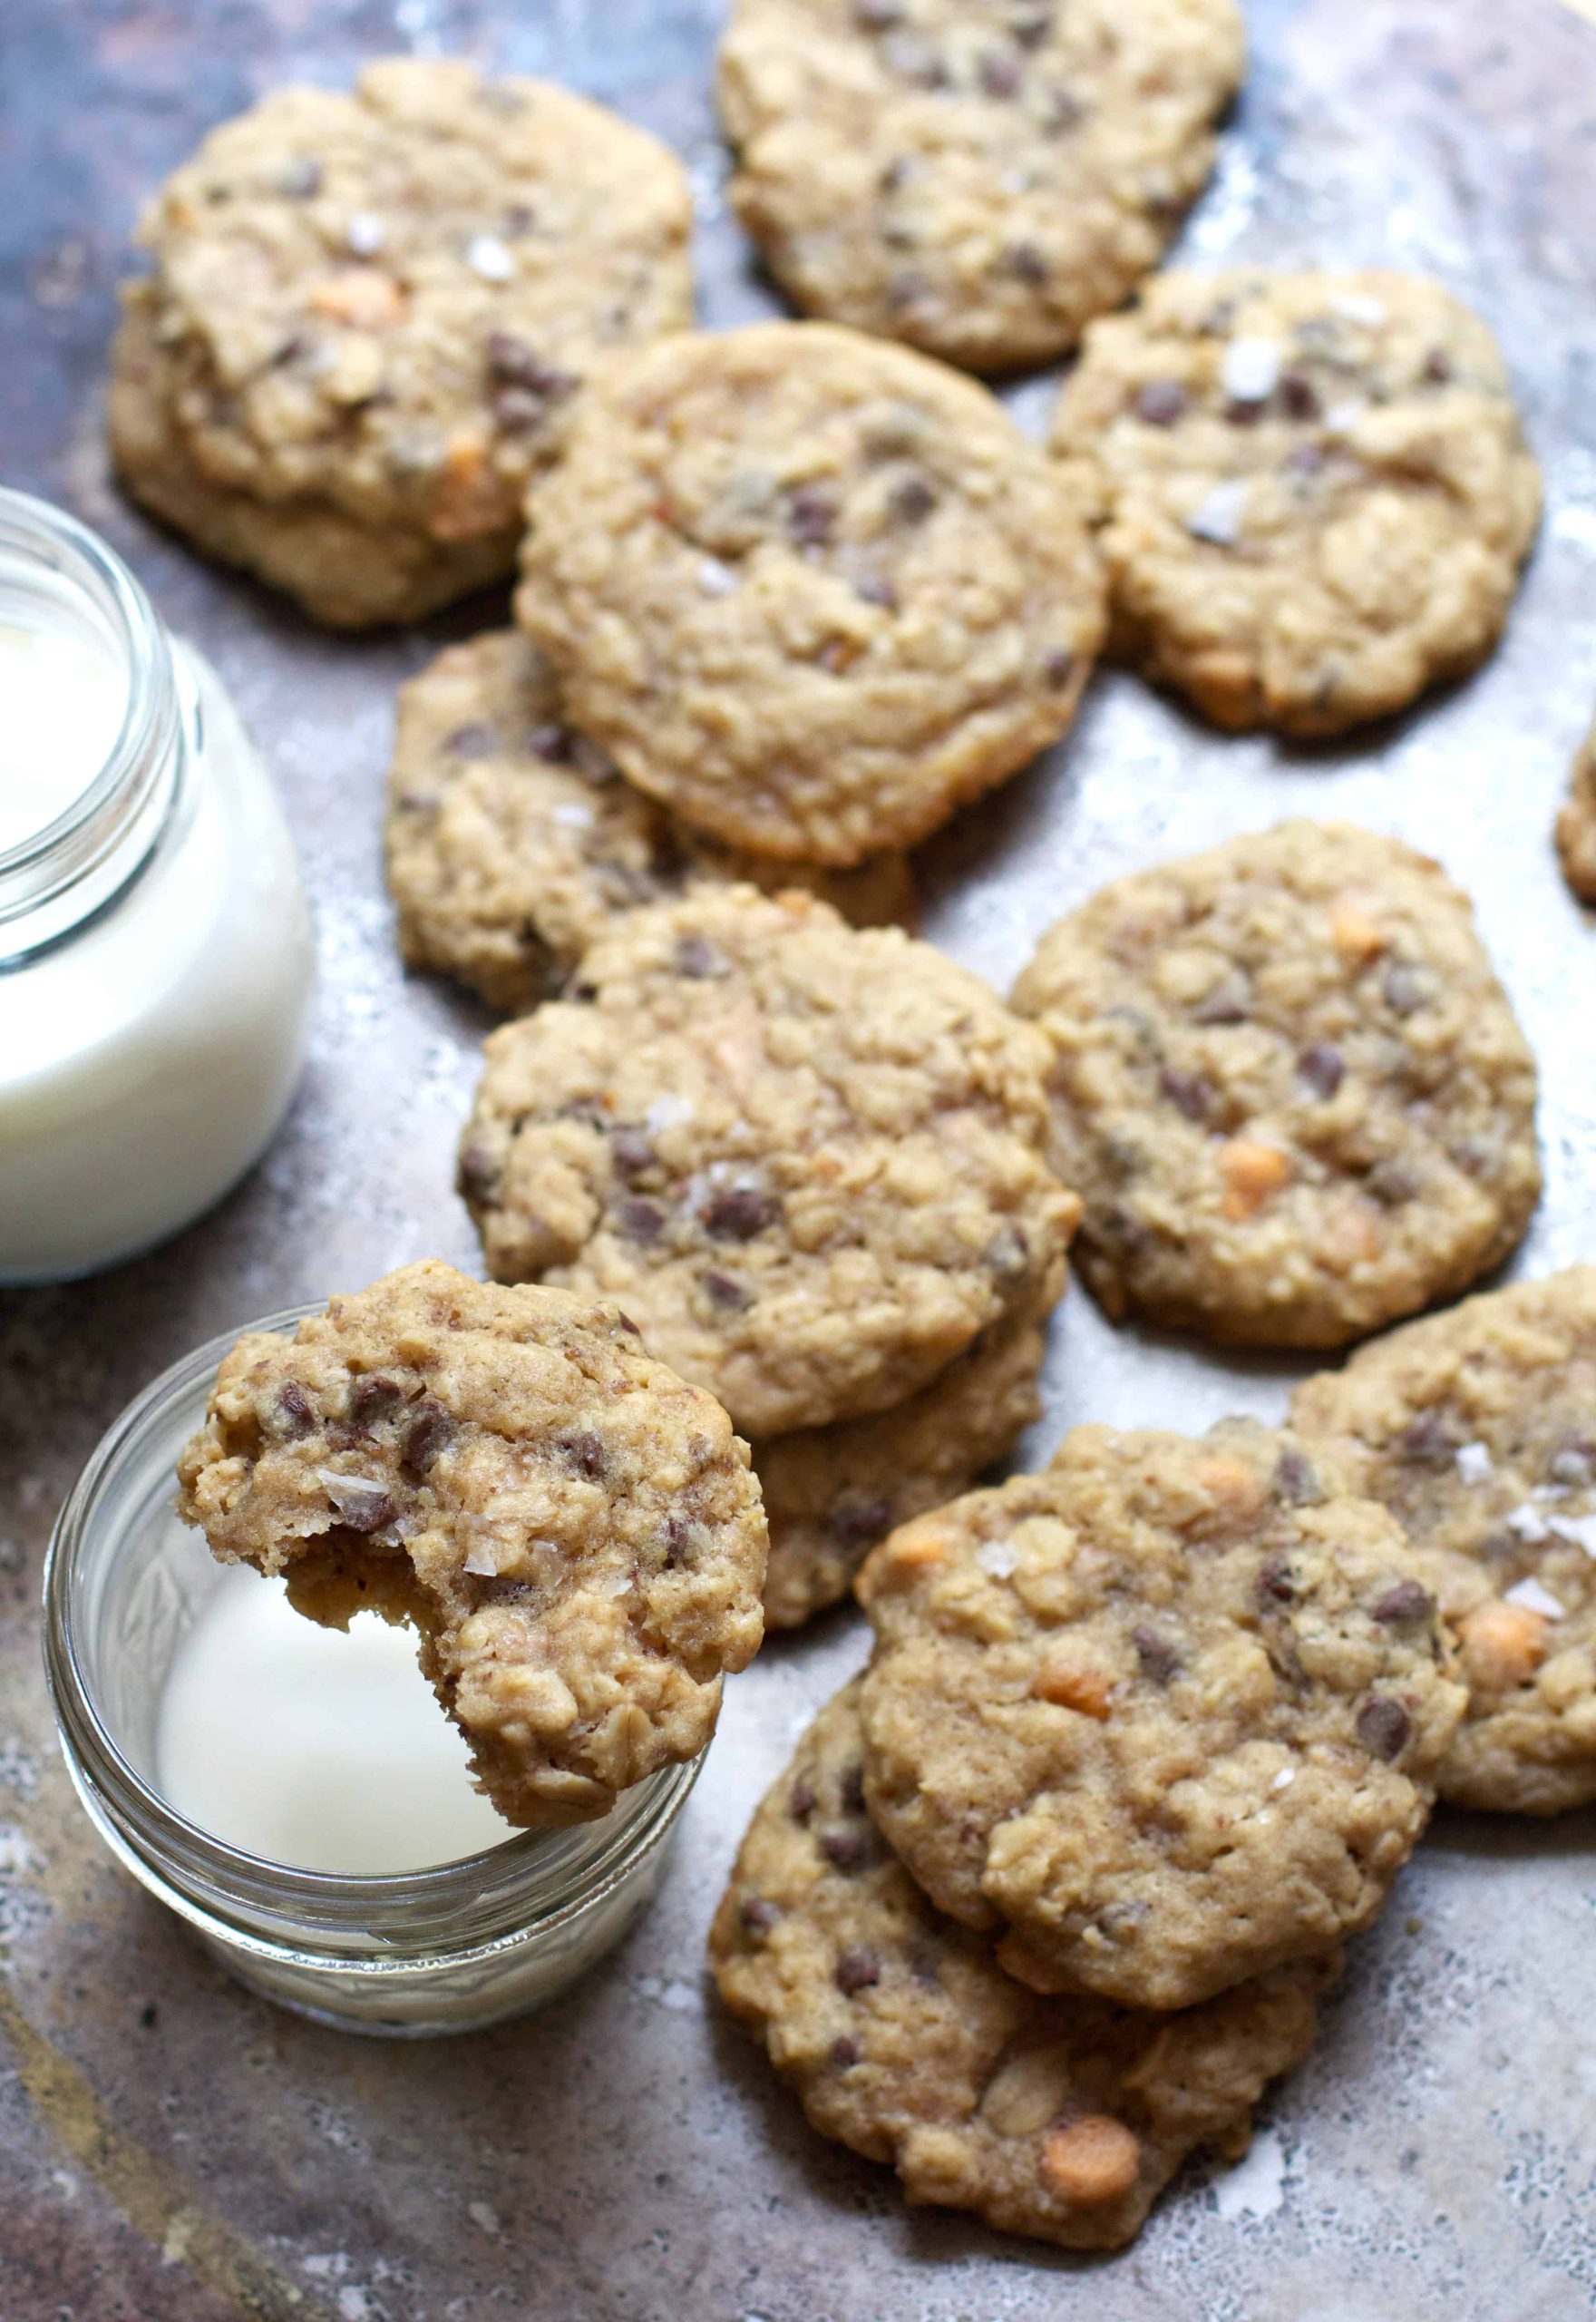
{"points": [[1288, 1085], [1317, 492], [975, 181], [512, 843], [1063, 2118], [1477, 1428], [810, 590], [1576, 825], [572, 1531], [1158, 1737], [367, 315], [806, 1158]]}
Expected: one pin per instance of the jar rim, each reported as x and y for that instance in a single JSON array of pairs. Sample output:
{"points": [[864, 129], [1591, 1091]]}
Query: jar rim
{"points": [[526, 1882]]}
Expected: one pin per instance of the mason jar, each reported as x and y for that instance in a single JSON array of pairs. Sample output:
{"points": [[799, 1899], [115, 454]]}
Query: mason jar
{"points": [[444, 1948], [155, 946]]}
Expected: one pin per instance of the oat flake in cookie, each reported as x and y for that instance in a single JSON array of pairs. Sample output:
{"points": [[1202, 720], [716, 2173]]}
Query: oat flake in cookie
{"points": [[1576, 825], [1169, 1713], [1288, 1085], [977, 180], [512, 843], [905, 2040], [806, 1158], [810, 590], [1477, 1428], [573, 1531], [367, 315], [831, 1493], [1318, 493]]}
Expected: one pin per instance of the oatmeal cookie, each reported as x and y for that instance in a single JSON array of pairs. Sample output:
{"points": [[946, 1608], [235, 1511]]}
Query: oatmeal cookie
{"points": [[1289, 1086], [1063, 2118], [979, 181], [1477, 1428], [807, 1158], [367, 315], [572, 1530], [831, 1493], [813, 591], [1576, 823], [513, 843], [1169, 1713], [1318, 493]]}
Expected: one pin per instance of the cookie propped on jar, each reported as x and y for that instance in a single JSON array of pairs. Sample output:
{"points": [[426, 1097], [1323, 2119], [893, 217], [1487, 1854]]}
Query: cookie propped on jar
{"points": [[572, 1530]]}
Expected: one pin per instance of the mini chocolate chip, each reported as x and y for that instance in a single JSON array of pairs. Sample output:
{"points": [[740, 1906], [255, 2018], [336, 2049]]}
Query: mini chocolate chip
{"points": [[908, 287], [912, 500], [293, 1411], [477, 1174], [1064, 111], [811, 514], [1299, 395], [848, 1850], [1009, 1251], [856, 1970], [1407, 1600], [801, 1799], [737, 1213], [1230, 1002], [758, 1915], [374, 1398], [1158, 1658], [640, 1221], [851, 1789], [877, 16], [516, 363], [584, 1453], [631, 1152], [300, 178], [1384, 1726], [554, 743], [1438, 368], [1242, 412], [859, 1524], [150, 2015], [477, 740], [1058, 668], [1273, 1584], [875, 590], [1161, 402], [1190, 1093], [1322, 1067], [725, 1290], [1391, 1183], [1000, 74], [1296, 1478], [1026, 264], [428, 1436], [1427, 1438], [1031, 26], [925, 1960], [1404, 988], [1501, 1547], [843, 2052], [518, 409], [520, 219], [700, 959], [361, 1506]]}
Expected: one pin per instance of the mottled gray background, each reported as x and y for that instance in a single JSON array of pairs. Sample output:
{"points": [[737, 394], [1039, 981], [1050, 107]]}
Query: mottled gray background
{"points": [[175, 2150]]}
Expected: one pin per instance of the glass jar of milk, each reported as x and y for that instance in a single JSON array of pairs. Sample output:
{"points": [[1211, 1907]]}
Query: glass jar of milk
{"points": [[296, 1794], [155, 950]]}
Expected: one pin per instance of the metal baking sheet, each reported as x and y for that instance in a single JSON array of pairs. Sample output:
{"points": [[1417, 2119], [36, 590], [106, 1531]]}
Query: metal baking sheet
{"points": [[176, 2150]]}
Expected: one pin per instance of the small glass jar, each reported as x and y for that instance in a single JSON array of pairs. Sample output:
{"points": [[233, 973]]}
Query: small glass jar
{"points": [[444, 1949], [155, 946]]}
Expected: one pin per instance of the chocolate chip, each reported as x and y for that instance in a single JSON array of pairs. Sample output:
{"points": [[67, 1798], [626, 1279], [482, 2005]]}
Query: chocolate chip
{"points": [[584, 1451], [520, 219], [1384, 1726], [375, 1397], [1009, 1251], [726, 1292], [860, 1523], [1230, 1002], [843, 2052], [293, 1413], [1026, 264], [675, 1538], [1158, 1658], [1299, 395], [1407, 1600], [1064, 111], [631, 1152], [1391, 1183], [848, 1850], [300, 178], [554, 743], [1438, 368], [518, 410], [700, 960], [1322, 1067], [1058, 668], [477, 1175], [737, 1213], [515, 363], [851, 1789], [925, 1960], [360, 1504], [758, 1915], [640, 1221], [1305, 459], [811, 514], [1000, 74], [801, 1799], [914, 59], [1190, 1093], [1273, 1584], [1427, 1438], [1296, 1478], [908, 287], [913, 500], [1031, 26], [877, 16], [477, 740], [427, 1437], [1161, 402], [875, 590], [856, 1970], [1242, 411], [1404, 988]]}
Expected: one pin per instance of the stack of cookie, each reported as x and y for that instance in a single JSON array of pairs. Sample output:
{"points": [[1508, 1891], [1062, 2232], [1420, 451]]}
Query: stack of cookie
{"points": [[808, 1161], [1045, 1900]]}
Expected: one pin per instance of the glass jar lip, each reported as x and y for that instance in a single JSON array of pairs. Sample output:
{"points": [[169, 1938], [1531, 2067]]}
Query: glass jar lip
{"points": [[129, 1809], [77, 841]]}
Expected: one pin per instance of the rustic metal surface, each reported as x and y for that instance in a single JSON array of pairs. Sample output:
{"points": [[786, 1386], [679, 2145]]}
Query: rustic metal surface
{"points": [[174, 2149]]}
